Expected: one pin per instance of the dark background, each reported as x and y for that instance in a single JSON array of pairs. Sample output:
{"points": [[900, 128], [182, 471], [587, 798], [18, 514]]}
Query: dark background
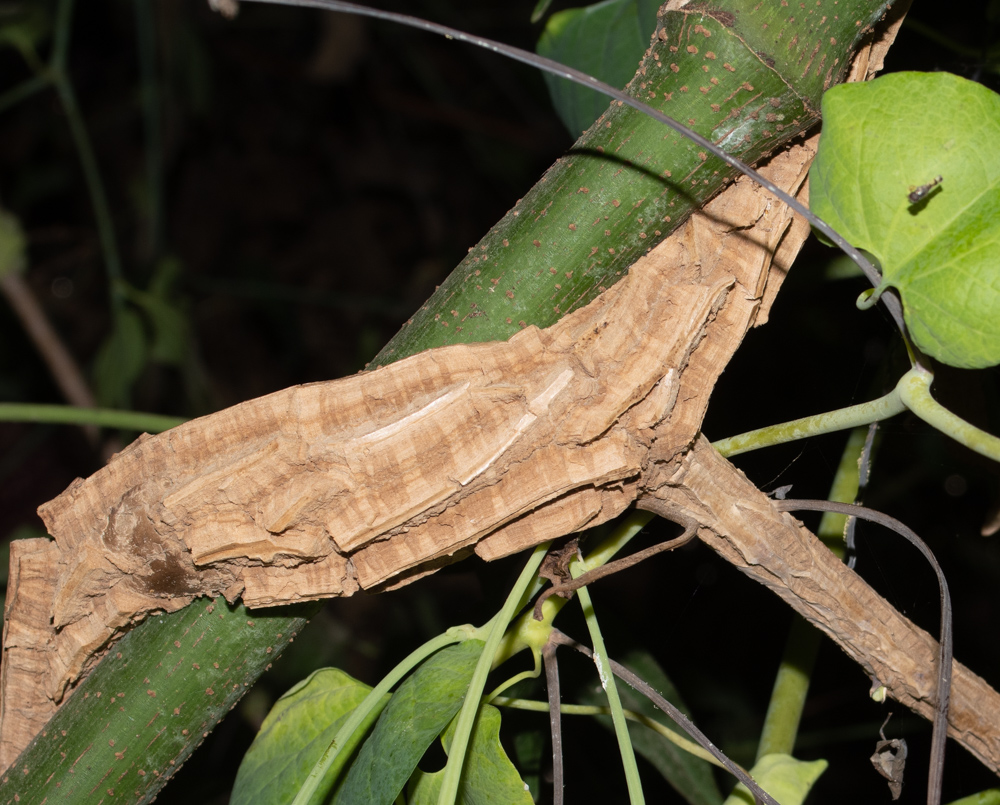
{"points": [[321, 175]]}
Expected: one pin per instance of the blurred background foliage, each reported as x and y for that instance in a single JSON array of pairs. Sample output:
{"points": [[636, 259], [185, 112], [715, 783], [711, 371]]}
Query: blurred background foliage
{"points": [[287, 187]]}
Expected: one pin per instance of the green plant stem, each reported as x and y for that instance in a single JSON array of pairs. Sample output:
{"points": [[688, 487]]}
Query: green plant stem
{"points": [[527, 632], [495, 631], [851, 417], [62, 31], [791, 683], [915, 391], [24, 90], [343, 739], [675, 738], [102, 417], [845, 487], [604, 671], [630, 527], [912, 392], [535, 308], [152, 124], [85, 151]]}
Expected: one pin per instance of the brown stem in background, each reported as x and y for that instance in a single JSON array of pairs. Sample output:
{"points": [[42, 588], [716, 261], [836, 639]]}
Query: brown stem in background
{"points": [[64, 370]]}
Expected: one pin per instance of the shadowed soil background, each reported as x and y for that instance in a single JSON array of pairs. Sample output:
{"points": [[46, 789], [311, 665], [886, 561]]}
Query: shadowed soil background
{"points": [[321, 174]]}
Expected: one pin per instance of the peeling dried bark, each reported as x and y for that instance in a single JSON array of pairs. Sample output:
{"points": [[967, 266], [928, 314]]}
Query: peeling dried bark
{"points": [[372, 481]]}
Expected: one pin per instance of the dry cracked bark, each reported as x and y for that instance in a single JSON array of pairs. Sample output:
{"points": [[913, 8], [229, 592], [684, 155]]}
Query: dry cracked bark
{"points": [[371, 481]]}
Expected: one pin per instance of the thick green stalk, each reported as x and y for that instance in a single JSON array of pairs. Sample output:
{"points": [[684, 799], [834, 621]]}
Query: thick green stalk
{"points": [[747, 76], [613, 181], [127, 729]]}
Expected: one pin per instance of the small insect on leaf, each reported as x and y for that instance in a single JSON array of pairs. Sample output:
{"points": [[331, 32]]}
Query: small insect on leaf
{"points": [[918, 193]]}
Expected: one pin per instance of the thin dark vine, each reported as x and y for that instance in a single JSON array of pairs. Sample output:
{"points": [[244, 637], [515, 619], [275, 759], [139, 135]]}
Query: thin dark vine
{"points": [[892, 303], [946, 648]]}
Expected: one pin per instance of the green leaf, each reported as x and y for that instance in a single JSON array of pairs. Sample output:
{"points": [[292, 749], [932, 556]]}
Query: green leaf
{"points": [[607, 41], [989, 797], [295, 734], [13, 246], [25, 27], [416, 714], [880, 141], [168, 321], [120, 360], [690, 776], [488, 777], [539, 11], [783, 777]]}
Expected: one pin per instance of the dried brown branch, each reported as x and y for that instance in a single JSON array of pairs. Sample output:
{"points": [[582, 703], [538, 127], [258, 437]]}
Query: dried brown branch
{"points": [[746, 528]]}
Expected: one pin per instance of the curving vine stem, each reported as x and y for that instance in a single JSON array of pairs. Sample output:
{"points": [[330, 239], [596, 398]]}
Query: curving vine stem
{"points": [[946, 649]]}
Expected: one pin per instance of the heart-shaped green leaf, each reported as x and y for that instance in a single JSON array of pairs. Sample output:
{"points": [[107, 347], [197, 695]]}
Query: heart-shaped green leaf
{"points": [[883, 144]]}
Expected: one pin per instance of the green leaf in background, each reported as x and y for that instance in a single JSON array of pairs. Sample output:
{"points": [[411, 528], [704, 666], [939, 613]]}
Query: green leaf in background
{"points": [[488, 777], [690, 776], [25, 27], [171, 342], [607, 41], [880, 141], [783, 777], [295, 734], [989, 797], [416, 714], [13, 245], [539, 11], [120, 360]]}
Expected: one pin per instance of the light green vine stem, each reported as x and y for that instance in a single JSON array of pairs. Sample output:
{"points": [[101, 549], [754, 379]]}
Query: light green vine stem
{"points": [[915, 391], [675, 738], [841, 419], [22, 91], [343, 739], [526, 632], [912, 392], [844, 489], [85, 151], [633, 523], [791, 685], [611, 689], [102, 417], [494, 633]]}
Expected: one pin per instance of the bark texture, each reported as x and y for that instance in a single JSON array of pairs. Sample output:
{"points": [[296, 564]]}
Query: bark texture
{"points": [[374, 480]]}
